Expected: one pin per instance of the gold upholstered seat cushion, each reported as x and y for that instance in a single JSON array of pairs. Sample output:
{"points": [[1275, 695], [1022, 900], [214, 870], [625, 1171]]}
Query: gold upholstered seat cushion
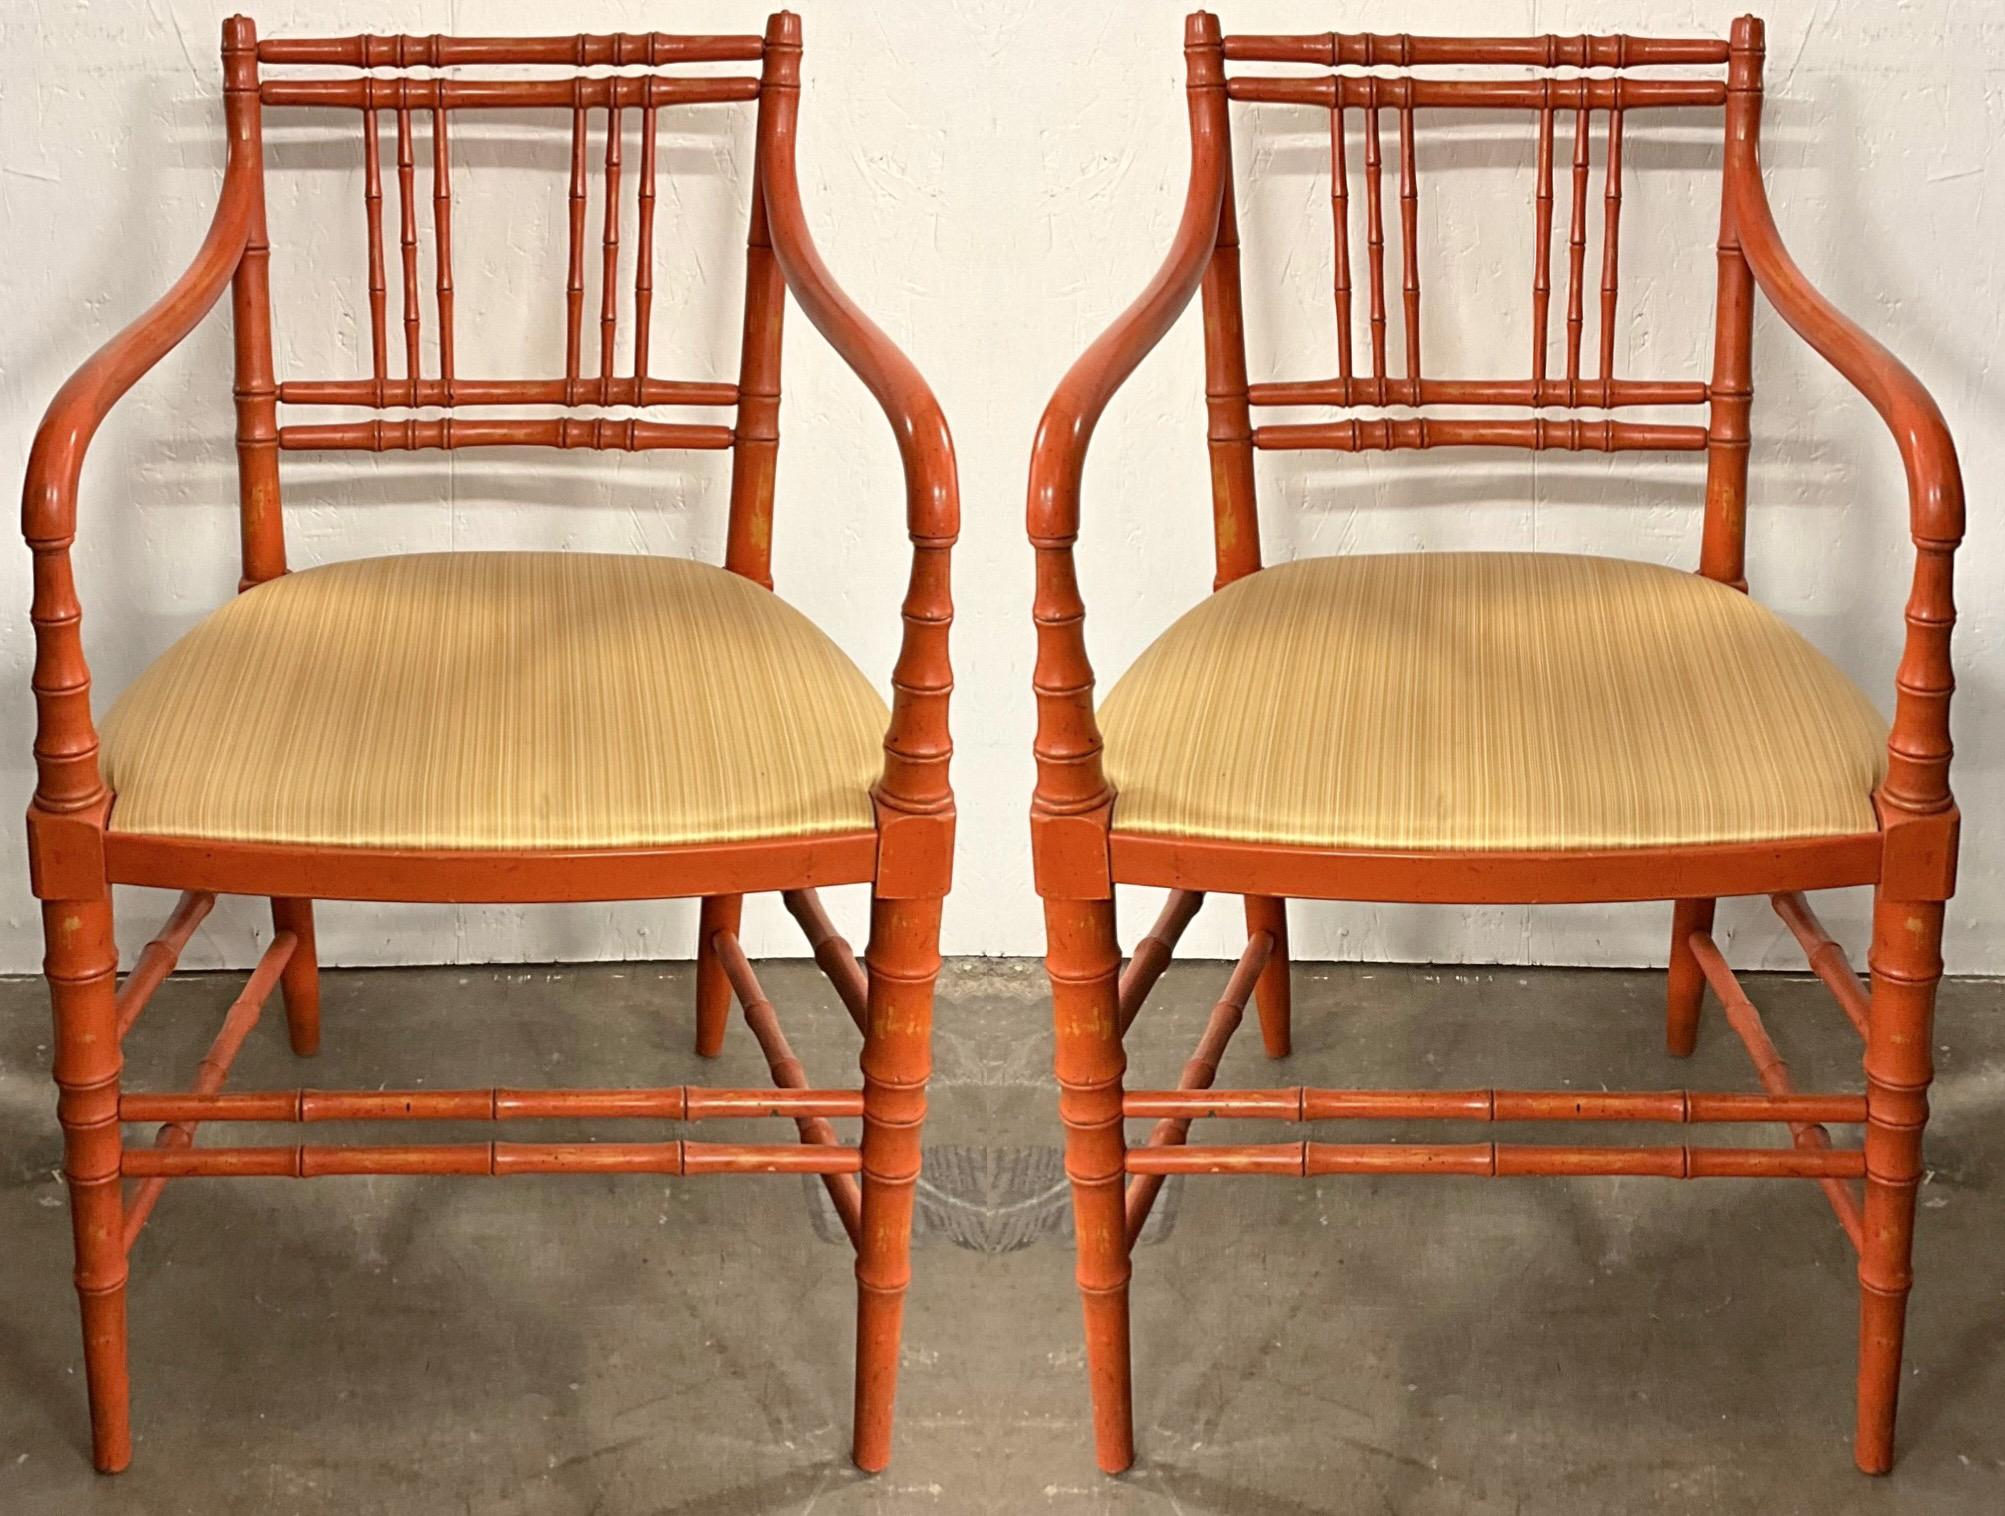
{"points": [[498, 701], [1480, 701]]}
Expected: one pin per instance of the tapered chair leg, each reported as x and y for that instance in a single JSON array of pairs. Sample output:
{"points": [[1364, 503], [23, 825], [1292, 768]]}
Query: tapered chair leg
{"points": [[300, 983], [1684, 984], [82, 968], [1084, 961], [720, 913], [1269, 913], [903, 961], [1906, 963]]}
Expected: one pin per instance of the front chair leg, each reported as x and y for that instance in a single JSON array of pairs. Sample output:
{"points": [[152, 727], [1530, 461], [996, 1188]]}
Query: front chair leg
{"points": [[720, 913], [82, 969], [903, 961], [299, 982], [1906, 963], [1269, 914], [1083, 959]]}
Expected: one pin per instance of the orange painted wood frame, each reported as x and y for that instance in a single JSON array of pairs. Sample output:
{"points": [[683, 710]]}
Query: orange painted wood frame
{"points": [[1909, 858], [77, 852]]}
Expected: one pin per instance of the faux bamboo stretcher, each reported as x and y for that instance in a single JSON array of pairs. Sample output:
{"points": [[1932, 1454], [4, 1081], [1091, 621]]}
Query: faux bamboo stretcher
{"points": [[1365, 84], [78, 852]]}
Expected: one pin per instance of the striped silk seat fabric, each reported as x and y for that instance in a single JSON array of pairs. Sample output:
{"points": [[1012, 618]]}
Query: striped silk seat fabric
{"points": [[448, 701], [1487, 701]]}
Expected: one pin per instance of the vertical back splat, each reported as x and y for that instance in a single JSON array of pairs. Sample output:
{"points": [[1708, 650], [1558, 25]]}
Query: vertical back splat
{"points": [[1542, 252], [644, 250], [442, 244], [609, 280], [1375, 237], [1409, 246], [379, 288], [1576, 258], [1611, 242], [1340, 211], [574, 286], [407, 228]]}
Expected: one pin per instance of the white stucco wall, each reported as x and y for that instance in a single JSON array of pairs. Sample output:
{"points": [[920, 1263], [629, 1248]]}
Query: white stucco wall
{"points": [[994, 179]]}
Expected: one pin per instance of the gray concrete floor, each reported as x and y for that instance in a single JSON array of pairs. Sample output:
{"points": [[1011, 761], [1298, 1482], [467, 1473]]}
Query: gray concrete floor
{"points": [[633, 1345]]}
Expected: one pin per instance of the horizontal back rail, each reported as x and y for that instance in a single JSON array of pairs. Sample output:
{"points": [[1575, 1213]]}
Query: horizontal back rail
{"points": [[1378, 91], [596, 92], [607, 390], [1360, 434], [412, 434], [1601, 394], [653, 49], [1369, 50]]}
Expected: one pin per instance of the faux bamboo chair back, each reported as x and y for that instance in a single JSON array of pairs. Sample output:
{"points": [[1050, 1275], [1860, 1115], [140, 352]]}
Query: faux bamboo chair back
{"points": [[410, 90], [1573, 89]]}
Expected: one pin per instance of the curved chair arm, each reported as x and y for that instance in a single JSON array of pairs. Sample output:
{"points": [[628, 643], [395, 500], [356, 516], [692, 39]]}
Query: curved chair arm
{"points": [[917, 746], [1069, 776], [1917, 781], [65, 739]]}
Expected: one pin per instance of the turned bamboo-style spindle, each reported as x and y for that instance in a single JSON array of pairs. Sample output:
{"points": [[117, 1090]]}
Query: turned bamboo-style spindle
{"points": [[1152, 954]]}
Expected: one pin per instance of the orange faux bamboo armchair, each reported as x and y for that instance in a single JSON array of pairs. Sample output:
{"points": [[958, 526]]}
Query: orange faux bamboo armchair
{"points": [[1488, 728], [520, 727]]}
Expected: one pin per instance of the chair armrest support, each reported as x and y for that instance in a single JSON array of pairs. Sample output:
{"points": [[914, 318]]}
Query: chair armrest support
{"points": [[917, 746], [1070, 779], [65, 739], [1917, 782]]}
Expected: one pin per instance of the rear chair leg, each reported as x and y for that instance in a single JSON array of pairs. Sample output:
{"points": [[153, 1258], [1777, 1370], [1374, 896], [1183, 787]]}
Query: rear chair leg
{"points": [[82, 968], [300, 981], [1685, 985], [1269, 913], [1084, 961], [903, 960], [720, 913], [1906, 963]]}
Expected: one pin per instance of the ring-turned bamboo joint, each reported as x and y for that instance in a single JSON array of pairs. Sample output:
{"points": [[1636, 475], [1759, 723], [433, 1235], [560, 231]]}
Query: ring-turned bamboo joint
{"points": [[832, 953], [1152, 953]]}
